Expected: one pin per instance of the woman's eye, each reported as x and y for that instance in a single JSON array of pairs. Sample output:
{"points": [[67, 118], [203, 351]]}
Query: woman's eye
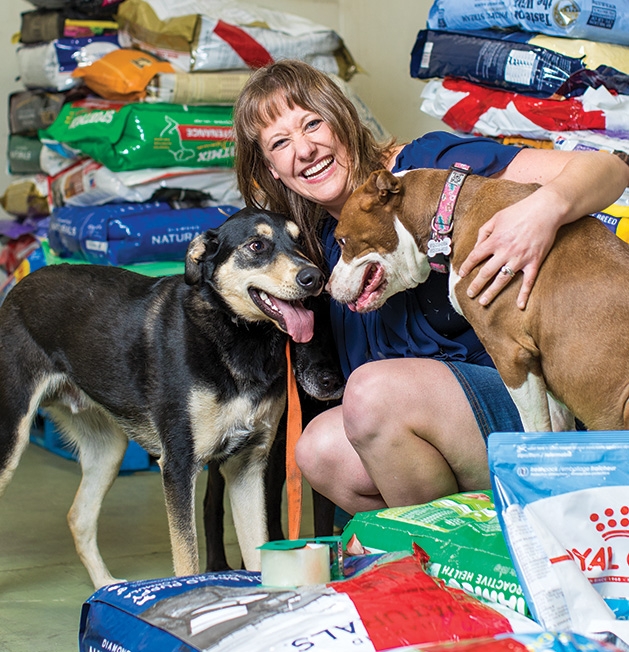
{"points": [[313, 124], [278, 144]]}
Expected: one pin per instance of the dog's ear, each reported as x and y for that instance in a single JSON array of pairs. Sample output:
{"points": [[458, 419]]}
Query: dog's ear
{"points": [[383, 184], [200, 256]]}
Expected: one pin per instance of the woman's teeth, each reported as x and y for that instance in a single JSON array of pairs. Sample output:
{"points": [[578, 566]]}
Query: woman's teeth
{"points": [[319, 167]]}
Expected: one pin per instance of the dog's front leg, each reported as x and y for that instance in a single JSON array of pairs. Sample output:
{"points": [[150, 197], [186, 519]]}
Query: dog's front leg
{"points": [[539, 410], [560, 416], [521, 372], [532, 403], [244, 479], [179, 479]]}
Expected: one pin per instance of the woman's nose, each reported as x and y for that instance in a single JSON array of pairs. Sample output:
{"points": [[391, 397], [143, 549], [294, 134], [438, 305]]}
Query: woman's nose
{"points": [[304, 147]]}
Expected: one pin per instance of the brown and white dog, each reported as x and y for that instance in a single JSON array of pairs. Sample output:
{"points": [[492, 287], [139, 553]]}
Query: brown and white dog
{"points": [[565, 355]]}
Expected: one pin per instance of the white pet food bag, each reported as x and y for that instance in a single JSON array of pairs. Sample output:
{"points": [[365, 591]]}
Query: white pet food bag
{"points": [[563, 503]]}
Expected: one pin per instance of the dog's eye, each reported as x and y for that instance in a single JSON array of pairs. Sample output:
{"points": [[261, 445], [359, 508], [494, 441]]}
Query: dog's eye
{"points": [[341, 242], [257, 246]]}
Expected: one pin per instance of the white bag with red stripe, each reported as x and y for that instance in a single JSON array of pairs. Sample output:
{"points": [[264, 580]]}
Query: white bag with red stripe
{"points": [[205, 35]]}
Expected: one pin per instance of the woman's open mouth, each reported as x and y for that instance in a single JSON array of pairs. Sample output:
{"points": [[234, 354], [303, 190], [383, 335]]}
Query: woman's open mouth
{"points": [[318, 168]]}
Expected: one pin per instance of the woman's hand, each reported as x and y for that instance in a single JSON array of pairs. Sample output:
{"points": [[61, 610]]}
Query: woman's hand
{"points": [[516, 240]]}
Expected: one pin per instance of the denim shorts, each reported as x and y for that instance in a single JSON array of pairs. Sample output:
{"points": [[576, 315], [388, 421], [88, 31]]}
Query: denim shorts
{"points": [[490, 401]]}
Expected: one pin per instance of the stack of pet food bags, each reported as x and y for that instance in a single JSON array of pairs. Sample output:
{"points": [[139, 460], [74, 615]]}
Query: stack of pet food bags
{"points": [[141, 136], [533, 72], [54, 37]]}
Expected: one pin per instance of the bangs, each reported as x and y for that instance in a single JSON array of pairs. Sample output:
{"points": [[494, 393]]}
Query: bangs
{"points": [[265, 110], [267, 101], [271, 107]]}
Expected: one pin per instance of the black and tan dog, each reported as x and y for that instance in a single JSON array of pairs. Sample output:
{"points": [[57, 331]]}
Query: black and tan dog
{"points": [[191, 367], [563, 356]]}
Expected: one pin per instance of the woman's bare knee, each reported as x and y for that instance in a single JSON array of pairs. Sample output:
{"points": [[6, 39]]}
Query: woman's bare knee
{"points": [[365, 402], [415, 433], [332, 466], [315, 446], [375, 397]]}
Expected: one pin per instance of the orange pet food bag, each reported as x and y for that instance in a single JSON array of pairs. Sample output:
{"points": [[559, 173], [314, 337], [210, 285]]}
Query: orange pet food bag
{"points": [[122, 75]]}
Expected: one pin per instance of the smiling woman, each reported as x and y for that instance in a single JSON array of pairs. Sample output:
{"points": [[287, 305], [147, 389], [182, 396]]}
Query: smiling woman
{"points": [[300, 145], [422, 394]]}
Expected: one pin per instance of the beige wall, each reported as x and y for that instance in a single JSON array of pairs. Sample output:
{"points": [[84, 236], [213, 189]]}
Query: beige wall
{"points": [[379, 33]]}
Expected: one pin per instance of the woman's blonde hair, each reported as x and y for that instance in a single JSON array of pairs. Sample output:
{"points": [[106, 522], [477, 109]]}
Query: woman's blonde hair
{"points": [[295, 83]]}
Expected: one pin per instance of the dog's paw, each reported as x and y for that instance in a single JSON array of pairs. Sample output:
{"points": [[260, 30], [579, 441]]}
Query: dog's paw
{"points": [[109, 581]]}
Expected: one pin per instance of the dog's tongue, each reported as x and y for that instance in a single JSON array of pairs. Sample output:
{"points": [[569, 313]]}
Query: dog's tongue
{"points": [[361, 304], [299, 321]]}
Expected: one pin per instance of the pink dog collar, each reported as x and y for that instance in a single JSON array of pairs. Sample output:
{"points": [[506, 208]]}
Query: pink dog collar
{"points": [[440, 244]]}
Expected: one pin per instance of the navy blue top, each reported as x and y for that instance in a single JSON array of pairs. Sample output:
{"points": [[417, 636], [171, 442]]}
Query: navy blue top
{"points": [[419, 322]]}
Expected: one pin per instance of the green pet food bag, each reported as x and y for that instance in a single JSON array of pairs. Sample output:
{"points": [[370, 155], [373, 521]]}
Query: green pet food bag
{"points": [[136, 136], [462, 536]]}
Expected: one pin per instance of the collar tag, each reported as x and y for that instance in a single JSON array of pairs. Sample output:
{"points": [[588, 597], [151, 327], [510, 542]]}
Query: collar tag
{"points": [[440, 245]]}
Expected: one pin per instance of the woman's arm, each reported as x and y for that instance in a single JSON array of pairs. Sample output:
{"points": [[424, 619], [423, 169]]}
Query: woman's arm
{"points": [[520, 236]]}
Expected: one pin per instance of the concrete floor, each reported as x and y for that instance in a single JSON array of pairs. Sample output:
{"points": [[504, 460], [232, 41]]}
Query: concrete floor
{"points": [[42, 582]]}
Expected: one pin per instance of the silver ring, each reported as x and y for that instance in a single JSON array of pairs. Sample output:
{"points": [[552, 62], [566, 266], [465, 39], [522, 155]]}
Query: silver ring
{"points": [[505, 269]]}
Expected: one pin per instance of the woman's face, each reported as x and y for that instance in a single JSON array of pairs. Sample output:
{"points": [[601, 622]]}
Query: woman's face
{"points": [[304, 154]]}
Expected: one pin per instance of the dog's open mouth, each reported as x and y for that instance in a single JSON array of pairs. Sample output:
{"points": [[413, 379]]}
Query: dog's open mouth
{"points": [[373, 286], [291, 316]]}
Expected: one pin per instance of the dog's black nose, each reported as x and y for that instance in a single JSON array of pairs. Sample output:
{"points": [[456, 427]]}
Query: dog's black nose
{"points": [[331, 381], [310, 278]]}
